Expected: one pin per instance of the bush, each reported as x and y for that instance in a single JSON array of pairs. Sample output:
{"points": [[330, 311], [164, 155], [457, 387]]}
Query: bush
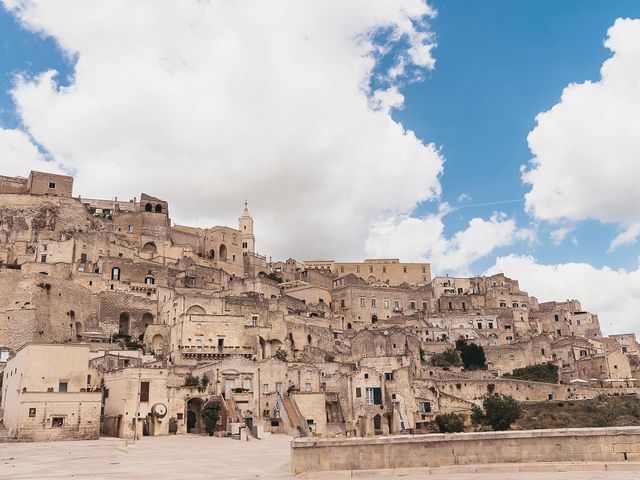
{"points": [[541, 372], [210, 416], [472, 355], [448, 358], [450, 423], [191, 381], [281, 355], [500, 411], [205, 380]]}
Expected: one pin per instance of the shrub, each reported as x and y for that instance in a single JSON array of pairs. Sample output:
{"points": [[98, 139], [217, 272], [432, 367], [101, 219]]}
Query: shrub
{"points": [[191, 381], [448, 358], [205, 380], [450, 423], [472, 355], [281, 355], [499, 412], [210, 416], [541, 372]]}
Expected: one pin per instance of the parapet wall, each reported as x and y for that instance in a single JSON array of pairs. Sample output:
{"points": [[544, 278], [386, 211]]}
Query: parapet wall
{"points": [[526, 446]]}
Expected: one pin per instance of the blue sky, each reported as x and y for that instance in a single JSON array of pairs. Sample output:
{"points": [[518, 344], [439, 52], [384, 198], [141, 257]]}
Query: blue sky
{"points": [[499, 63]]}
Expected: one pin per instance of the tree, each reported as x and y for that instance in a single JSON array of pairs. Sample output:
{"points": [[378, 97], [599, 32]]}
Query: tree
{"points": [[499, 412], [191, 381], [541, 372], [204, 381], [210, 416], [450, 423], [281, 355], [472, 355], [449, 358]]}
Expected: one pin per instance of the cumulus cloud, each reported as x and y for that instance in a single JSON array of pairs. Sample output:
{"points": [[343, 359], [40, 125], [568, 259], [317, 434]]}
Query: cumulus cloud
{"points": [[206, 104], [613, 294], [423, 239], [19, 155], [586, 148]]}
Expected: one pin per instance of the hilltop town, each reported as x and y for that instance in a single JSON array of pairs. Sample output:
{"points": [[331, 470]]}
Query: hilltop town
{"points": [[116, 321]]}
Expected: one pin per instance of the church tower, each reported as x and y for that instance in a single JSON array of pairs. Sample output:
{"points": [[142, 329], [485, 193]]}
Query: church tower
{"points": [[246, 228]]}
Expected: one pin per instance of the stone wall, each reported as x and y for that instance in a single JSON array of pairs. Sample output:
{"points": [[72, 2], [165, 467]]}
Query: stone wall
{"points": [[559, 445]]}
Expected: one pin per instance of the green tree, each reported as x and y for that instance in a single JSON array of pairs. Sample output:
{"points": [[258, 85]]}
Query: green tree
{"points": [[191, 381], [499, 412], [541, 372], [472, 355], [281, 355], [210, 416], [450, 423], [204, 381], [449, 358]]}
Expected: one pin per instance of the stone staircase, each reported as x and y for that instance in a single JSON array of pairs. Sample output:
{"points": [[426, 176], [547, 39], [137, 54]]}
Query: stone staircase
{"points": [[296, 420]]}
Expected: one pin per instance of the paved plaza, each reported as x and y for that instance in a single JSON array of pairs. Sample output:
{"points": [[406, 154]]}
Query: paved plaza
{"points": [[201, 457]]}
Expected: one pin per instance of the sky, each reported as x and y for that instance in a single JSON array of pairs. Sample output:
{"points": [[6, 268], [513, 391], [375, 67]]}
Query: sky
{"points": [[481, 136]]}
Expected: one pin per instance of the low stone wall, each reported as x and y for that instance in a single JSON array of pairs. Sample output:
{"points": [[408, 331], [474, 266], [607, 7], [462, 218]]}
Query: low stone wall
{"points": [[525, 446]]}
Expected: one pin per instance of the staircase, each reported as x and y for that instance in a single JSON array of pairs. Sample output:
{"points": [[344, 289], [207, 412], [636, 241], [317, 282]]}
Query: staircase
{"points": [[296, 420]]}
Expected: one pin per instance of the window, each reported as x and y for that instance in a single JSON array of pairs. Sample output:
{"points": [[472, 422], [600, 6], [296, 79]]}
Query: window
{"points": [[57, 422], [342, 303], [479, 325], [307, 387], [366, 375], [413, 305], [278, 387], [397, 304], [254, 320], [341, 269], [386, 304], [357, 269], [373, 303], [83, 258], [556, 318], [369, 396], [424, 269], [503, 304], [115, 273], [52, 185], [358, 392], [130, 229], [63, 385], [460, 291], [144, 392], [246, 384], [149, 280], [450, 306], [43, 258], [362, 302], [265, 388], [510, 338], [515, 305], [464, 306], [542, 351], [624, 349], [507, 327], [490, 324], [404, 269], [44, 247], [424, 305], [32, 412], [425, 407], [388, 376], [198, 343], [384, 269]]}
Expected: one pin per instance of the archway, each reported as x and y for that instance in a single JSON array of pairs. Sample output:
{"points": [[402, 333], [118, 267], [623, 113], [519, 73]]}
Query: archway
{"points": [[158, 208], [223, 252], [195, 309], [212, 254], [148, 207], [124, 325], [374, 318], [157, 344], [149, 247], [194, 415], [377, 424], [147, 319], [349, 326]]}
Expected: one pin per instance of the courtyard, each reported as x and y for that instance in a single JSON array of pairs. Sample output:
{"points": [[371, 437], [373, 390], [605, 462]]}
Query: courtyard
{"points": [[201, 457]]}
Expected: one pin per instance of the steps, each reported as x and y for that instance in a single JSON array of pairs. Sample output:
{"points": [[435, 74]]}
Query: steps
{"points": [[297, 421]]}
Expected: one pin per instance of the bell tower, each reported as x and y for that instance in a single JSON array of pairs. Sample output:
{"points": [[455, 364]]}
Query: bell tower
{"points": [[246, 228]]}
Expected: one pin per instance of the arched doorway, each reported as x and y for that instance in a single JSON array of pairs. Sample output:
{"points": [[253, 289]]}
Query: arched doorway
{"points": [[212, 254], [194, 415], [223, 252], [147, 319], [148, 207], [377, 424], [374, 318], [157, 344], [124, 325], [158, 208]]}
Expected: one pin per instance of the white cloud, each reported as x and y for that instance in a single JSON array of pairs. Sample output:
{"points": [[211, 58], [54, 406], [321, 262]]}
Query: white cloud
{"points": [[586, 148], [613, 294], [19, 155], [464, 197], [627, 237], [207, 104], [559, 234], [423, 239]]}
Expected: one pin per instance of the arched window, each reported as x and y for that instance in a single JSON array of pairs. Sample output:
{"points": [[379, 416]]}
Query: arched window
{"points": [[158, 208], [348, 326], [223, 252], [148, 207], [309, 339], [374, 319], [212, 254]]}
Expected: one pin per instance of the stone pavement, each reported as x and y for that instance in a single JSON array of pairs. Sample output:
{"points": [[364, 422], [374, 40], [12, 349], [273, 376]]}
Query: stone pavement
{"points": [[200, 457]]}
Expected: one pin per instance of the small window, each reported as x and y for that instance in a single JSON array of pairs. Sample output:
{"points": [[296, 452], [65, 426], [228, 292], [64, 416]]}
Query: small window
{"points": [[425, 407], [63, 385], [388, 376], [130, 229], [144, 392], [32, 412], [52, 185], [57, 422], [265, 388], [404, 269], [115, 273], [358, 392], [363, 302], [366, 375], [43, 258], [373, 303], [413, 305]]}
